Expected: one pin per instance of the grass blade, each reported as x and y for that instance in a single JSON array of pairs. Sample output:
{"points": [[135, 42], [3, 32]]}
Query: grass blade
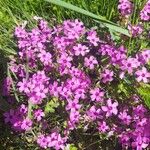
{"points": [[101, 19]]}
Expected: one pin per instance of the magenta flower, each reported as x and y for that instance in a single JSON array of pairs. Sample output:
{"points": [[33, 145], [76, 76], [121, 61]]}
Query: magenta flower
{"points": [[73, 83], [42, 141], [124, 138], [45, 57], [60, 143], [26, 124], [144, 56], [110, 108], [65, 60], [90, 62], [65, 92], [7, 82], [73, 105], [38, 114], [125, 117], [97, 95], [145, 13], [55, 141], [93, 113], [23, 109], [130, 64], [54, 89], [107, 76], [74, 116], [23, 86], [52, 140], [9, 116], [80, 50], [140, 143], [125, 7], [92, 37], [142, 75], [135, 30], [103, 127], [20, 32], [80, 93], [41, 91], [73, 29]]}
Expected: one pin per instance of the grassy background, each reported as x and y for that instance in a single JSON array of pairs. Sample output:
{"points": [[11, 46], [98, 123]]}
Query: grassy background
{"points": [[14, 12]]}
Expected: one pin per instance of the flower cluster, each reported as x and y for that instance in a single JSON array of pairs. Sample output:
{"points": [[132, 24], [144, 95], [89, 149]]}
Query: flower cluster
{"points": [[125, 7], [69, 66], [53, 140], [145, 12], [35, 87], [17, 118], [135, 30]]}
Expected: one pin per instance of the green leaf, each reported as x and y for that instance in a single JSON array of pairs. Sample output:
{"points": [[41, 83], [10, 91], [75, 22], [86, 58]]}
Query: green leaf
{"points": [[7, 51], [122, 88], [144, 93], [101, 19], [51, 105], [71, 147]]}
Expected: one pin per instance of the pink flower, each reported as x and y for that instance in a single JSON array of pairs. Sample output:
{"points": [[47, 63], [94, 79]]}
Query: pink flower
{"points": [[90, 62], [23, 109], [130, 64], [142, 75], [9, 116], [92, 37], [110, 108], [103, 127], [140, 143], [145, 12], [74, 116], [65, 60], [80, 50], [80, 93], [41, 91], [42, 141], [125, 117], [26, 124], [20, 32], [55, 141], [125, 7], [97, 94], [45, 57], [107, 75], [73, 83], [145, 55], [93, 113], [136, 30], [52, 140], [73, 105], [65, 92], [38, 114], [60, 143], [23, 86], [54, 89]]}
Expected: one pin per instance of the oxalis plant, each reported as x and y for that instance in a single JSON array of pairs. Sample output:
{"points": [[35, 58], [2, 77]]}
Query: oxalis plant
{"points": [[69, 87]]}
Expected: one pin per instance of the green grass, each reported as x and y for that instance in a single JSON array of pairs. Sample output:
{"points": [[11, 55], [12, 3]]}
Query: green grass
{"points": [[13, 12]]}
